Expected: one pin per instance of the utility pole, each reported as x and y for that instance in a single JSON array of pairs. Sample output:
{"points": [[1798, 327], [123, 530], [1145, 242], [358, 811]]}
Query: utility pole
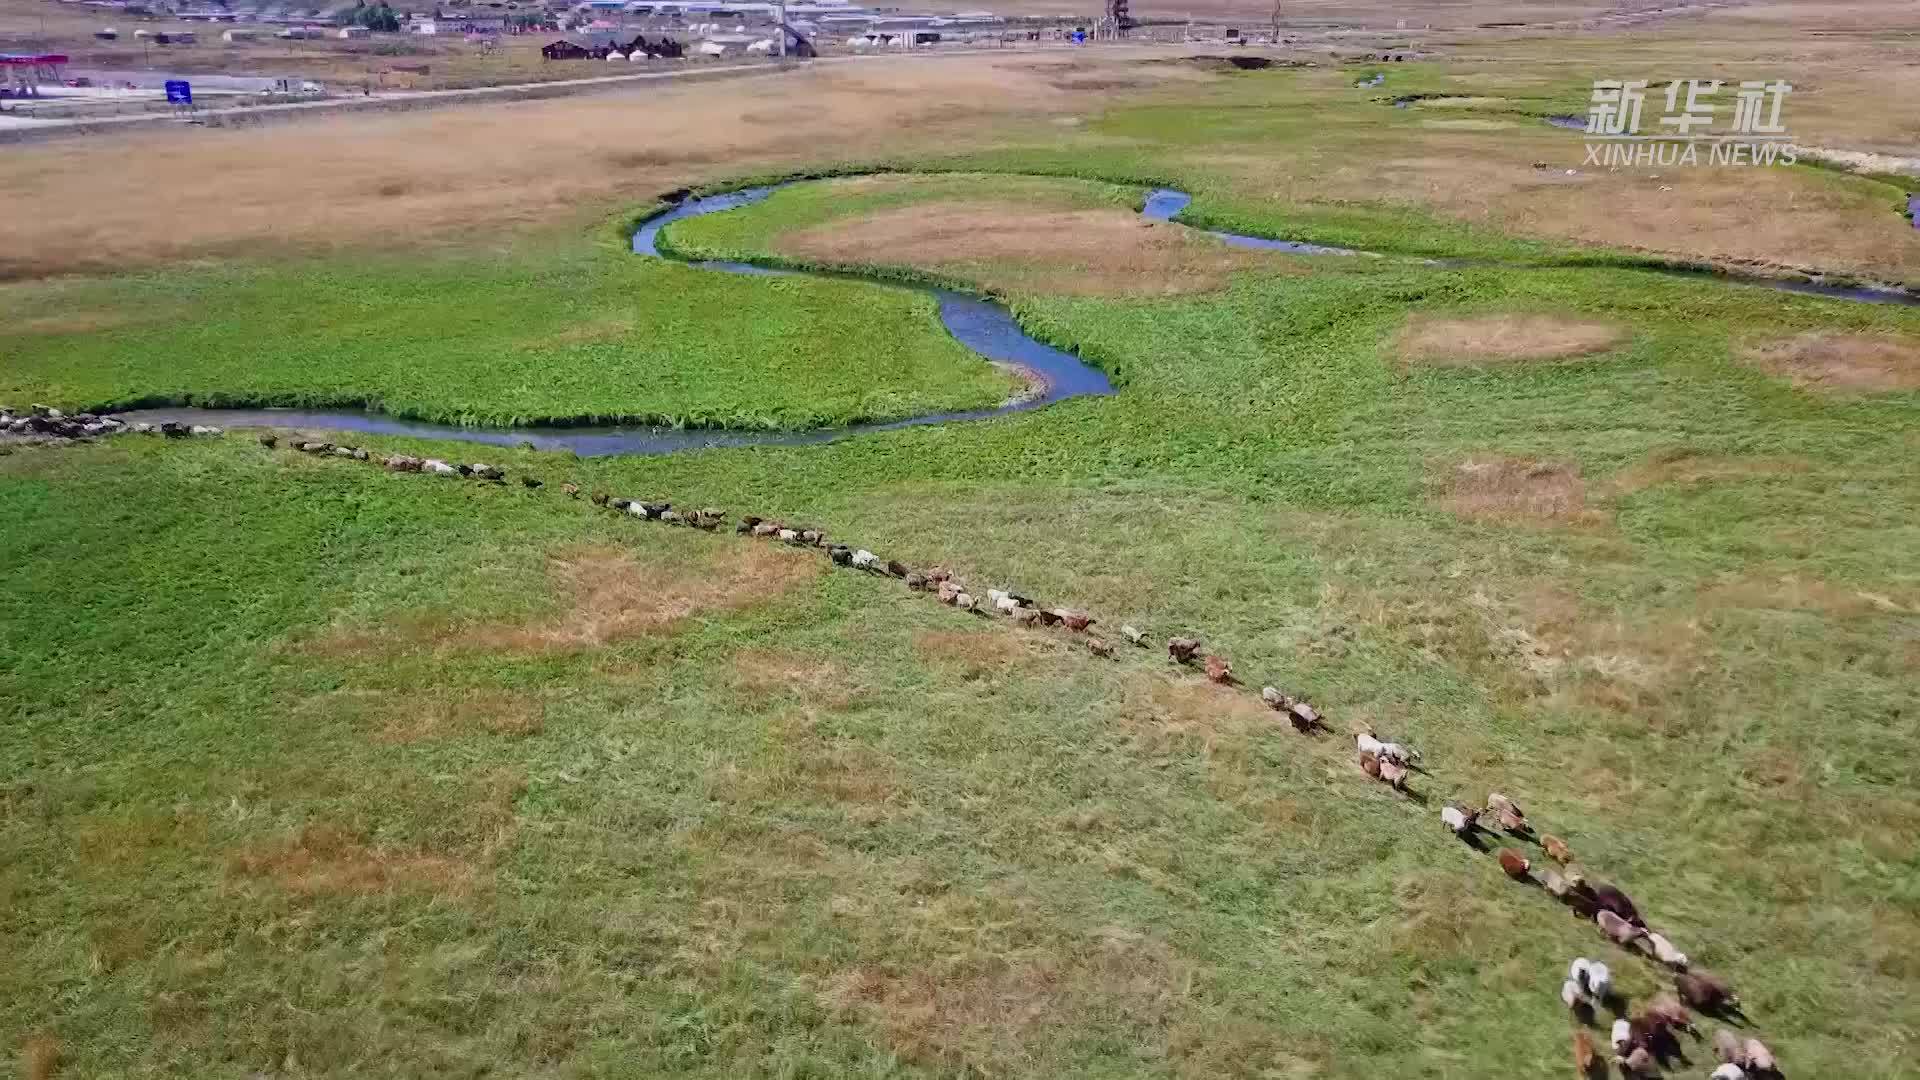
{"points": [[780, 31], [1276, 21]]}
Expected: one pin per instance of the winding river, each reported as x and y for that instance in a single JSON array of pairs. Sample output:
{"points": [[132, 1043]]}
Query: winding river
{"points": [[984, 326]]}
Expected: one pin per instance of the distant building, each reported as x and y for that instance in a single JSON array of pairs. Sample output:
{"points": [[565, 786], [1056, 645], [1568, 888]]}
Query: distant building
{"points": [[563, 50]]}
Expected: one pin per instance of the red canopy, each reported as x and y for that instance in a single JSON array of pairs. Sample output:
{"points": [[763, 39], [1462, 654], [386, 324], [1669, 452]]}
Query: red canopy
{"points": [[29, 60]]}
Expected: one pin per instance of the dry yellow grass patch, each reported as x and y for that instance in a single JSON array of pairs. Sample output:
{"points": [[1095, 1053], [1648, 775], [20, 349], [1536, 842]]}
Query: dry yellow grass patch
{"points": [[772, 670], [1467, 124], [814, 772], [610, 594], [1102, 252], [979, 1013], [472, 174], [1465, 342], [40, 1057], [1791, 592], [495, 712], [1461, 102], [1841, 362], [782, 674], [1192, 707], [1440, 919], [976, 653], [322, 859], [1506, 489], [1687, 467]]}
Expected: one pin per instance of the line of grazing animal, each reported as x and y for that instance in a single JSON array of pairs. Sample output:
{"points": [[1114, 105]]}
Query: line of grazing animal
{"points": [[1612, 899], [1705, 992], [1750, 1056], [1592, 976], [1620, 930], [1557, 849], [1462, 821], [1508, 814], [1583, 1055], [1664, 951]]}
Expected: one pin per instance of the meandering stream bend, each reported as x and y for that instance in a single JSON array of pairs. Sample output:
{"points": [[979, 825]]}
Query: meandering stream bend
{"points": [[983, 326]]}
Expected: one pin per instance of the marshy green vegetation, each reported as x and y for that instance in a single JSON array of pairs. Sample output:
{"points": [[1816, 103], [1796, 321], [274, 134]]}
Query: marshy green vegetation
{"points": [[582, 334], [313, 769]]}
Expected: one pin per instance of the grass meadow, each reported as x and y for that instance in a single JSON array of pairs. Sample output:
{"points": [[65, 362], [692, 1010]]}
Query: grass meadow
{"points": [[311, 769], [553, 336]]}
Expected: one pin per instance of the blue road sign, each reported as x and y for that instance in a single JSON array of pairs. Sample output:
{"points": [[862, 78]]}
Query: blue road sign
{"points": [[179, 92]]}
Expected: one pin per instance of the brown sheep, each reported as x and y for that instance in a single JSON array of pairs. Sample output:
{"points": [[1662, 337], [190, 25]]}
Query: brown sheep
{"points": [[1612, 899], [1182, 649], [1557, 849], [1219, 670], [1667, 1011], [1582, 1052], [1514, 863], [1705, 992]]}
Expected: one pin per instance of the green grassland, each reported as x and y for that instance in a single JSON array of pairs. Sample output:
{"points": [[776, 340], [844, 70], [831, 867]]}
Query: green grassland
{"points": [[579, 334], [312, 769]]}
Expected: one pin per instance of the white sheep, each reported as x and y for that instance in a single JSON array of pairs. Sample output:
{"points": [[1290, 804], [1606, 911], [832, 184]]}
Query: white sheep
{"points": [[789, 535], [1620, 930], [1664, 951], [636, 509], [1622, 1036], [1369, 744], [1729, 1071], [1397, 752], [1598, 981], [1572, 997], [866, 560], [1458, 818], [1006, 604], [1577, 971], [438, 467]]}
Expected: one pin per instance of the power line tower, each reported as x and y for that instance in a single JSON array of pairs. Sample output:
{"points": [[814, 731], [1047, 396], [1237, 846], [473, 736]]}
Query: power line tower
{"points": [[1118, 17]]}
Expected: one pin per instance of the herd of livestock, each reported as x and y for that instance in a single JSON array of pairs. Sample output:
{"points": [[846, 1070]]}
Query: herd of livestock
{"points": [[1642, 1041]]}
